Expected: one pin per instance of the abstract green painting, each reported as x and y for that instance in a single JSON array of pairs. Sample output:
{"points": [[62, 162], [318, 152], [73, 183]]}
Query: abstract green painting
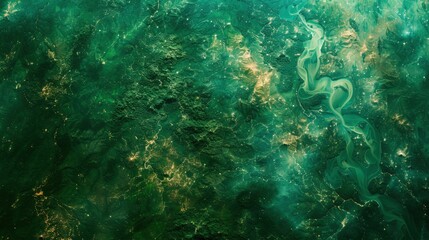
{"points": [[214, 119]]}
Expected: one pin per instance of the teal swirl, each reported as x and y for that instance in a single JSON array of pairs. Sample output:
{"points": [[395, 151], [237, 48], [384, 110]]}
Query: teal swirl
{"points": [[339, 93]]}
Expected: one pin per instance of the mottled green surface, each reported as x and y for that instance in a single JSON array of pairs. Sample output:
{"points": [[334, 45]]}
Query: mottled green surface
{"points": [[198, 119]]}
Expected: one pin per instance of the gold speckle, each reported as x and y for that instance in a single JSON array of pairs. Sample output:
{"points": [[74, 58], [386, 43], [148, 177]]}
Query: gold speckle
{"points": [[46, 91], [402, 152], [51, 55], [11, 8], [400, 120], [133, 156], [39, 193]]}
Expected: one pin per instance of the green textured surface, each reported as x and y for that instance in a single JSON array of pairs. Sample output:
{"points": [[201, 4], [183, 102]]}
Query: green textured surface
{"points": [[197, 119]]}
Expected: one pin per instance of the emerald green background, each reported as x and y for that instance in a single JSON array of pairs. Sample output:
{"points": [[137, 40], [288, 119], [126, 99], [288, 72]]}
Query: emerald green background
{"points": [[182, 119]]}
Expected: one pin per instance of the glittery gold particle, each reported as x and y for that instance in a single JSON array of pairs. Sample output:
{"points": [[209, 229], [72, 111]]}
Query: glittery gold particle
{"points": [[39, 193], [133, 156]]}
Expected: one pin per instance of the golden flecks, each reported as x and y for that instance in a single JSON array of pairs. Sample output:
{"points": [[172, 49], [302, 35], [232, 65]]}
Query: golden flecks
{"points": [[245, 63], [237, 39], [349, 37], [252, 67], [289, 139], [185, 205], [375, 99], [262, 86], [352, 57], [46, 91], [51, 91], [401, 120], [133, 156], [378, 103], [59, 222], [51, 55], [11, 9], [177, 175], [363, 49], [38, 193], [152, 141], [263, 79], [370, 58], [344, 222], [246, 55], [402, 152], [216, 43]]}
